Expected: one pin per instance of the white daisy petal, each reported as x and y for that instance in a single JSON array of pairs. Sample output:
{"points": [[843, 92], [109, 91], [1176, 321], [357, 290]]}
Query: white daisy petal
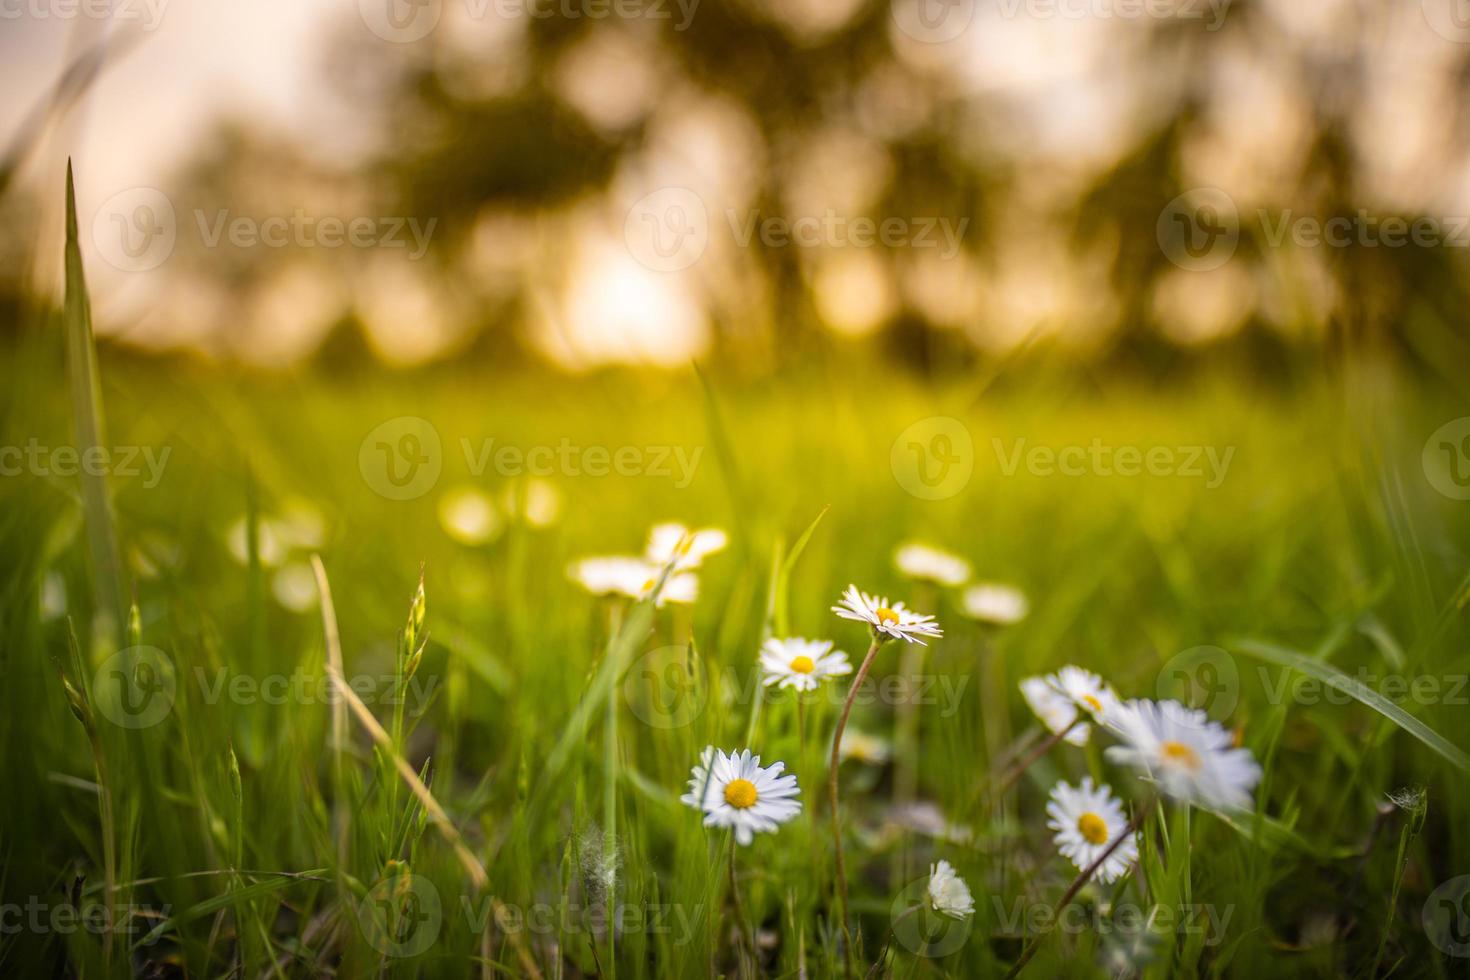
{"points": [[888, 622], [1191, 758], [735, 792], [801, 664], [991, 602], [925, 563], [1088, 820], [948, 893]]}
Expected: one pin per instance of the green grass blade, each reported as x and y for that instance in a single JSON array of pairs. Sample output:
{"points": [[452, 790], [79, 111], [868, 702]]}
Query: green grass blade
{"points": [[86, 402], [1327, 674]]}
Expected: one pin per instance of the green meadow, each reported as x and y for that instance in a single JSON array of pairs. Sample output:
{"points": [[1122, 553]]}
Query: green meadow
{"points": [[190, 794]]}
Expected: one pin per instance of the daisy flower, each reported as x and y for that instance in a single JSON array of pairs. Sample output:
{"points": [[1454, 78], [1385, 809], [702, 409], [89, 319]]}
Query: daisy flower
{"points": [[887, 622], [1087, 691], [802, 664], [920, 561], [948, 893], [991, 602], [664, 542], [735, 791], [1057, 711], [871, 749], [1088, 820], [468, 515], [1192, 758], [631, 577]]}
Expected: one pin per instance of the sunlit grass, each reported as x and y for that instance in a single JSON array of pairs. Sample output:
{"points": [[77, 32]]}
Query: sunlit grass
{"points": [[544, 735]]}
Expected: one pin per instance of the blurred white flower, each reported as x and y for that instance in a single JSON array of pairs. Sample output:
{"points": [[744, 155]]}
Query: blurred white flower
{"points": [[269, 541], [664, 542], [735, 791], [873, 750], [920, 561], [887, 622], [802, 664], [294, 586], [632, 577], [1088, 820], [468, 515], [1189, 757], [948, 893], [991, 602], [537, 502], [1088, 691], [1056, 710]]}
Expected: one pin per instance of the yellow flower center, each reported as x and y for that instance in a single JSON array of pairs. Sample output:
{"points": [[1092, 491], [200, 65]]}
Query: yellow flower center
{"points": [[803, 665], [886, 615], [1093, 828], [1180, 754], [1092, 702], [740, 793], [648, 586]]}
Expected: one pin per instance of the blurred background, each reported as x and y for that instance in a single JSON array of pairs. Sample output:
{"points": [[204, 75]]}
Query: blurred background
{"points": [[289, 182]]}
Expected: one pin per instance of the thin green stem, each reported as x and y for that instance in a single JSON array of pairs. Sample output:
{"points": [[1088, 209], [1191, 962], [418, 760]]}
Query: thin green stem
{"points": [[1076, 886], [832, 795]]}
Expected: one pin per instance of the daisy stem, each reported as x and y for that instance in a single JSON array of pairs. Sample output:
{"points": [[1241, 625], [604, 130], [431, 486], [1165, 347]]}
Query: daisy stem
{"points": [[841, 870], [1041, 749], [1026, 954], [747, 940]]}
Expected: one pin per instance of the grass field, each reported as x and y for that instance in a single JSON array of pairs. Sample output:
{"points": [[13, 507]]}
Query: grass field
{"points": [[522, 789]]}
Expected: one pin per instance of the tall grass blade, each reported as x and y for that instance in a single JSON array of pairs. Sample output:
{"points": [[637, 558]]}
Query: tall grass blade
{"points": [[1293, 660], [86, 402]]}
